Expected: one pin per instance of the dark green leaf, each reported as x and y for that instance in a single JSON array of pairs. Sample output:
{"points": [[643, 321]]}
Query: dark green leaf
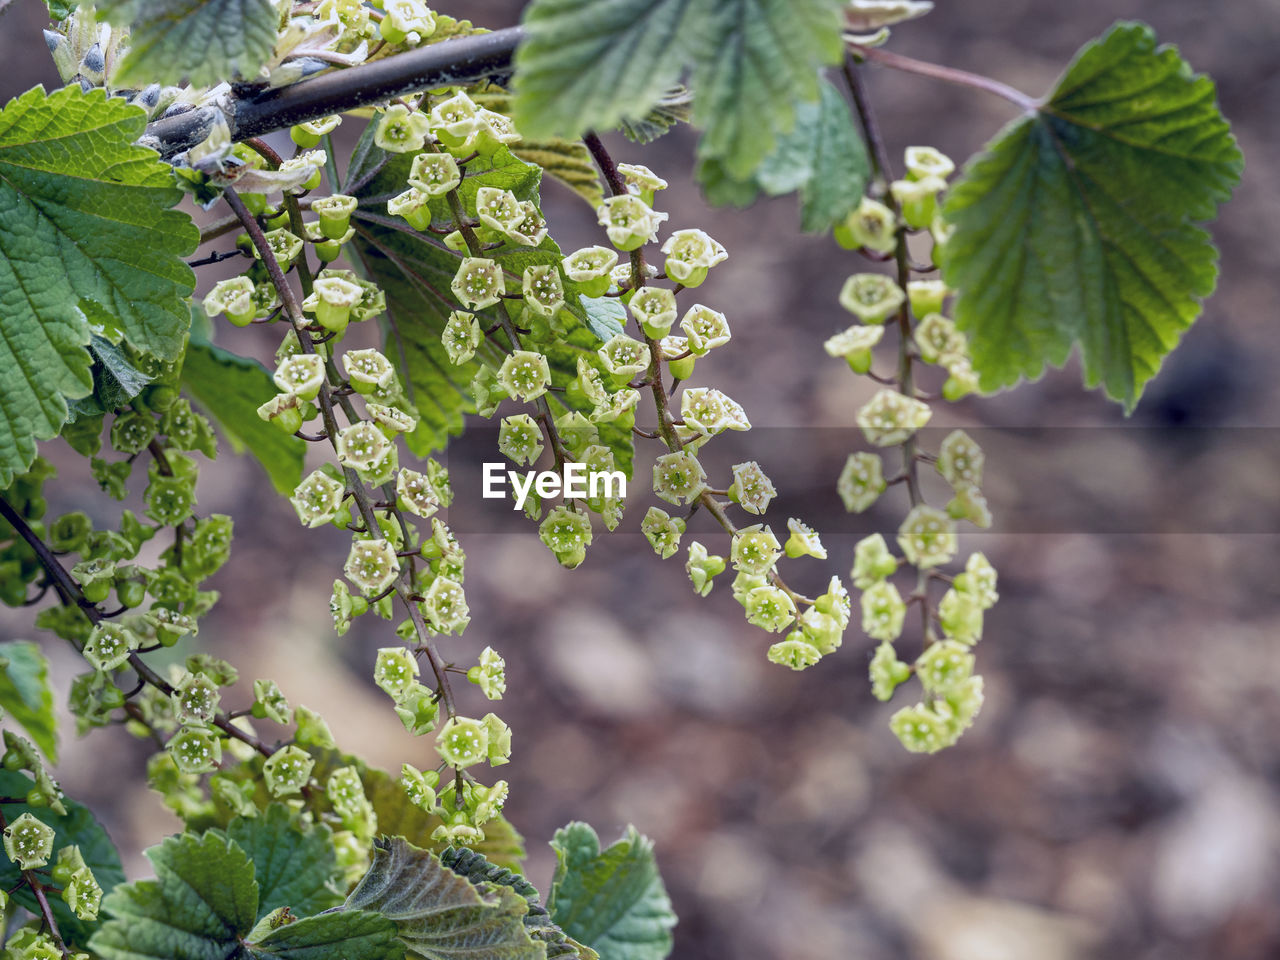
{"points": [[293, 861], [116, 381], [440, 915], [1077, 224], [83, 218], [203, 900], [203, 41], [349, 935], [78, 827], [230, 389], [675, 106], [25, 694], [614, 900]]}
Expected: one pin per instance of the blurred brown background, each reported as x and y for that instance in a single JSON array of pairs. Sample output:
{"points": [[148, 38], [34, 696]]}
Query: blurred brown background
{"points": [[1118, 796]]}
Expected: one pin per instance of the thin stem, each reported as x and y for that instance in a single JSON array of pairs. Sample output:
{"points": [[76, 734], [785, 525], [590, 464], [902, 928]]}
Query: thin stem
{"points": [[951, 75]]}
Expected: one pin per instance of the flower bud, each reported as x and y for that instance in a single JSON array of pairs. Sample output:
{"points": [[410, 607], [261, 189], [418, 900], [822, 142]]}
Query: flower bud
{"points": [[702, 568]]}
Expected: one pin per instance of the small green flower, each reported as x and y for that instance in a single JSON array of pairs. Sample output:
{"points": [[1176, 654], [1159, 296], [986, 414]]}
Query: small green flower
{"points": [[835, 602], [109, 646], [918, 199], [927, 537], [590, 267], [478, 283], [287, 771], [463, 742], [855, 345], [705, 328], [641, 181], [690, 254], [343, 606], [195, 750], [890, 418], [489, 674], [195, 699], [755, 550], [927, 296], [872, 562], [307, 135], [445, 606], [960, 614], [872, 226], [419, 787], [576, 431], [333, 300], [499, 751], [28, 842], [498, 209], [662, 531], [751, 487], [887, 671], [455, 120], [920, 729], [944, 666], [414, 206], [395, 672], [702, 568], [525, 374], [543, 289], [392, 421], [235, 298], [871, 297], [335, 214], [520, 438], [963, 379], [460, 336], [372, 565], [861, 481], [435, 174], [938, 340], [969, 504], [361, 446], [567, 534], [624, 357], [961, 705], [302, 376], [401, 130], [795, 652], [823, 631], [415, 493], [769, 608], [678, 477], [927, 162], [804, 541], [979, 581], [80, 891], [654, 309], [269, 702], [418, 710], [629, 221], [368, 370], [883, 611], [285, 246]]}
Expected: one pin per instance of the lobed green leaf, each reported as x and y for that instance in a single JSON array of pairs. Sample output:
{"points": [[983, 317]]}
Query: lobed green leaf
{"points": [[25, 694], [1076, 225]]}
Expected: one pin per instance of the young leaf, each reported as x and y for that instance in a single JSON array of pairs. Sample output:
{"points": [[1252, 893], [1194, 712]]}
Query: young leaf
{"points": [[1077, 224], [606, 317], [25, 694], [204, 41], [116, 381], [230, 388], [78, 827], [85, 232], [757, 60], [332, 936], [613, 901], [203, 900], [440, 915], [293, 861], [587, 65]]}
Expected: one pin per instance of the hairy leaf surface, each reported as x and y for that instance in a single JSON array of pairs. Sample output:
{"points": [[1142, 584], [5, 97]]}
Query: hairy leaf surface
{"points": [[26, 696], [612, 900], [204, 41], [293, 861], [1077, 224], [230, 389], [85, 234]]}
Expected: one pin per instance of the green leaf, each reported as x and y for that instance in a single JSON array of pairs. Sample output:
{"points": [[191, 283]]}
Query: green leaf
{"points": [[440, 915], [758, 60], [203, 900], [293, 861], [116, 381], [78, 827], [823, 158], [605, 316], [614, 900], [230, 389], [83, 217], [1077, 224], [675, 106], [25, 694], [59, 9], [204, 41], [590, 65], [332, 936]]}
